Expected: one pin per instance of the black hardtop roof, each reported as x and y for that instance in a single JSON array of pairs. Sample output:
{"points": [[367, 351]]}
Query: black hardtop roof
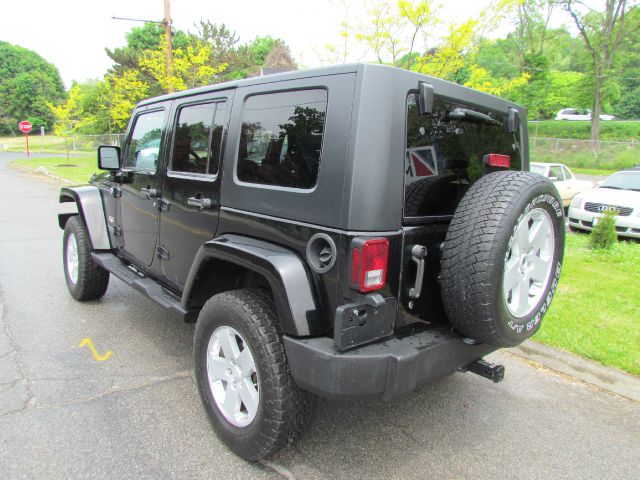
{"points": [[365, 68], [276, 77]]}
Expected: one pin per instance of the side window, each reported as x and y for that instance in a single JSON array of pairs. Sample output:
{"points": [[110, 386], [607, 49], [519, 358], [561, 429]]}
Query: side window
{"points": [[198, 138], [557, 173], [567, 174], [145, 142], [281, 138]]}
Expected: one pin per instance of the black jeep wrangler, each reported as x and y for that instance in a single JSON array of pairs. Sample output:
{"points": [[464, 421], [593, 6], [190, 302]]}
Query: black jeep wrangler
{"points": [[348, 232]]}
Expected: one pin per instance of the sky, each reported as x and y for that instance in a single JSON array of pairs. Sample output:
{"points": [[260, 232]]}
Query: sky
{"points": [[72, 34]]}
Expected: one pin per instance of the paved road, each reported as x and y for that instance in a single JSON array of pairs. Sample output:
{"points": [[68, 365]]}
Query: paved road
{"points": [[137, 414]]}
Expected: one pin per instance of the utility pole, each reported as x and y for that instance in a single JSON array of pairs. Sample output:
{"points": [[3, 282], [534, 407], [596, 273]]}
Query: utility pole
{"points": [[168, 40], [169, 46]]}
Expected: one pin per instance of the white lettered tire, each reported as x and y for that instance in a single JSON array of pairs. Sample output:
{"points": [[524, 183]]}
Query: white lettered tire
{"points": [[502, 257]]}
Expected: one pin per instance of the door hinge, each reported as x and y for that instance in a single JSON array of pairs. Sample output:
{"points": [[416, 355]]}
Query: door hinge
{"points": [[116, 230], [162, 252], [116, 192]]}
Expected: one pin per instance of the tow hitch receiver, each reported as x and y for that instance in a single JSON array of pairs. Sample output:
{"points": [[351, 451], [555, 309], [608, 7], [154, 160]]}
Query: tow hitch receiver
{"points": [[488, 370]]}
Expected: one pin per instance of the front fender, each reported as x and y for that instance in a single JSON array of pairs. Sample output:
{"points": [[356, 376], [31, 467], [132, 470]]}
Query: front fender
{"points": [[283, 269], [91, 211]]}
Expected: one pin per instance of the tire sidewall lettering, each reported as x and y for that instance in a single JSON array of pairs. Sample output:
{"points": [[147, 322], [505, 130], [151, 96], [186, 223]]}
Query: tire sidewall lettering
{"points": [[531, 322]]}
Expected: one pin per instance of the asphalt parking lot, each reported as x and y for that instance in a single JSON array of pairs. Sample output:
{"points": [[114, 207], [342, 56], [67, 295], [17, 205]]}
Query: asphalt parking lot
{"points": [[137, 414]]}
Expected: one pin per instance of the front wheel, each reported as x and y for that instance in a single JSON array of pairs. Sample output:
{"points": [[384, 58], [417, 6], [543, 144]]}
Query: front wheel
{"points": [[243, 376], [86, 280]]}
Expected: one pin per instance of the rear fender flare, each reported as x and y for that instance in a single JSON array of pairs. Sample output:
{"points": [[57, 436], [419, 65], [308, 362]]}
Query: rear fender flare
{"points": [[91, 211], [283, 269]]}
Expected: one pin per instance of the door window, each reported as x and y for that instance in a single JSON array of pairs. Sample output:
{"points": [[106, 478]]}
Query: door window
{"points": [[567, 174], [145, 142], [198, 138], [281, 138]]}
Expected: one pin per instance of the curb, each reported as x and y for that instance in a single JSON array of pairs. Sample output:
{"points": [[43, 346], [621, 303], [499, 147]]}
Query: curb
{"points": [[593, 373]]}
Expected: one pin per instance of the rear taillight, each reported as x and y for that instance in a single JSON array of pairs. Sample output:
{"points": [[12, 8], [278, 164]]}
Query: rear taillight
{"points": [[497, 160], [369, 260]]}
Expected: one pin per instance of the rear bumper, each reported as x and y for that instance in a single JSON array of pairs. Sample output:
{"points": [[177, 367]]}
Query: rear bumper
{"points": [[383, 370]]}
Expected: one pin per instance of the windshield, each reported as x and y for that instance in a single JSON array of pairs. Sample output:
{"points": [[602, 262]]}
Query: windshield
{"points": [[623, 181], [539, 169]]}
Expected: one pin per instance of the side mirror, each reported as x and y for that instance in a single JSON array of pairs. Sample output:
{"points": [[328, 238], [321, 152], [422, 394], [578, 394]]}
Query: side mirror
{"points": [[425, 98], [553, 179], [108, 157]]}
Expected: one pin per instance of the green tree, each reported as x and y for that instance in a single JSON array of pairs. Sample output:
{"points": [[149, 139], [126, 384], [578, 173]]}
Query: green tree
{"points": [[602, 33], [27, 83]]}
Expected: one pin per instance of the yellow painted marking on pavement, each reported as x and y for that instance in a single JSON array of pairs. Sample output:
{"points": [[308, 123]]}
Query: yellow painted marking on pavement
{"points": [[100, 358]]}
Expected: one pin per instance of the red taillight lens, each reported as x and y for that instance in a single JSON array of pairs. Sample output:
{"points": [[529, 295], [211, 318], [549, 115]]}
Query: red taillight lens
{"points": [[369, 260], [497, 160]]}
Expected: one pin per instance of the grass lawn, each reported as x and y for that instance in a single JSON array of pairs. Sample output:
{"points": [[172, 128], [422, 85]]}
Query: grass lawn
{"points": [[596, 310], [617, 130], [76, 169]]}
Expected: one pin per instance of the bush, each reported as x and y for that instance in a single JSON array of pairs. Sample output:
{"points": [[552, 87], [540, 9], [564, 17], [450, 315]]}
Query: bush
{"points": [[604, 235]]}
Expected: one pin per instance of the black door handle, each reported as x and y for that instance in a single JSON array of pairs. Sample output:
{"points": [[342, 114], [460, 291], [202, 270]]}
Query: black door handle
{"points": [[150, 192], [201, 203]]}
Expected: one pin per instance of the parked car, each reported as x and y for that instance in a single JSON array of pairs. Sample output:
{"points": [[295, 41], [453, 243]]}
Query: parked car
{"points": [[566, 183], [575, 114], [349, 232], [618, 193]]}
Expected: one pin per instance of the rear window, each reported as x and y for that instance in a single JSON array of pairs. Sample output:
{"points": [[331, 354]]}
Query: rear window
{"points": [[444, 154], [281, 138]]}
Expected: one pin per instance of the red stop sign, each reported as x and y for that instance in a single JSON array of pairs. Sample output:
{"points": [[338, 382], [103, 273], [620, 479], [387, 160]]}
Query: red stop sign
{"points": [[25, 127]]}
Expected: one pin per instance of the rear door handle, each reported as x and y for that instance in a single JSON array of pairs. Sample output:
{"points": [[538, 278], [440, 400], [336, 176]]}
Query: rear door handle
{"points": [[418, 252], [150, 192], [201, 203]]}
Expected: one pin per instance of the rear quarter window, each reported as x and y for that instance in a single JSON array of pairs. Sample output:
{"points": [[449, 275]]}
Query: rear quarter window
{"points": [[281, 138]]}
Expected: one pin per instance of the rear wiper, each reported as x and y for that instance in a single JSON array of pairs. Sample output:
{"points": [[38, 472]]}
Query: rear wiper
{"points": [[466, 115]]}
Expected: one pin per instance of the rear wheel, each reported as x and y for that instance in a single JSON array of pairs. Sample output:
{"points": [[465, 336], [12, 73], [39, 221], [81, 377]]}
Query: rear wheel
{"points": [[86, 280], [502, 257], [243, 376]]}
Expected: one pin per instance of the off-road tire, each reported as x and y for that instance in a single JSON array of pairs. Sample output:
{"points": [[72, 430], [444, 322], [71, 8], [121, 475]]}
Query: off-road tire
{"points": [[283, 408], [474, 256], [93, 280]]}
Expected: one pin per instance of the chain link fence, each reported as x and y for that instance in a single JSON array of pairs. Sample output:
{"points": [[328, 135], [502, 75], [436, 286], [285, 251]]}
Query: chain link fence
{"points": [[73, 144], [608, 155]]}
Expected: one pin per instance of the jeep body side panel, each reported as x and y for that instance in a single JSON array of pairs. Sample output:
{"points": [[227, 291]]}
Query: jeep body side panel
{"points": [[373, 201], [183, 225], [91, 211], [321, 203], [283, 269], [330, 288]]}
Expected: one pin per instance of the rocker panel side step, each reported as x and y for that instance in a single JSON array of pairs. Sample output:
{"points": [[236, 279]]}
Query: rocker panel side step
{"points": [[145, 285]]}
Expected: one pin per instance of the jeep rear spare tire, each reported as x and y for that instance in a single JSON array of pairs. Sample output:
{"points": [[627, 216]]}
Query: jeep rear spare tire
{"points": [[502, 257]]}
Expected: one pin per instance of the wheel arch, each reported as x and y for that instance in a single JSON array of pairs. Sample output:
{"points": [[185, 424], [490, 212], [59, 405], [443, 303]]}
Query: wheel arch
{"points": [[91, 211], [244, 262]]}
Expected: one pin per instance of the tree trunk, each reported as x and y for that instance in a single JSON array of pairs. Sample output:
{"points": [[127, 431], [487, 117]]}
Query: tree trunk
{"points": [[595, 112]]}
